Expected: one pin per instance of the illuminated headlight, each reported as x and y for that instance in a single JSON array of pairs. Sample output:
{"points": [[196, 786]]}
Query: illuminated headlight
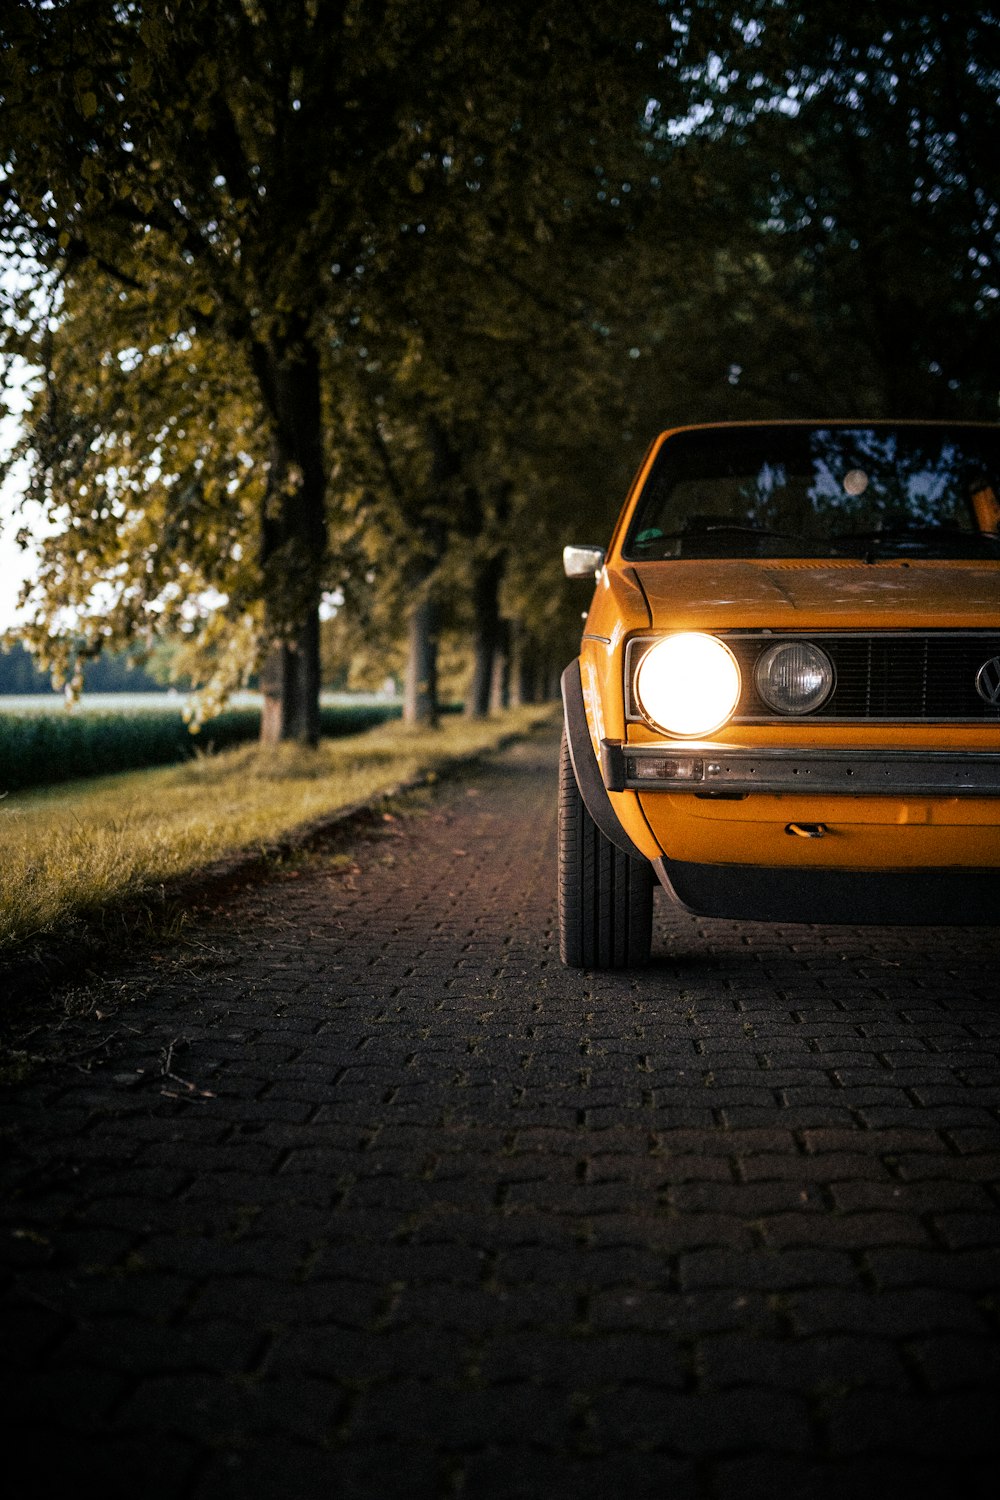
{"points": [[794, 677], [688, 684]]}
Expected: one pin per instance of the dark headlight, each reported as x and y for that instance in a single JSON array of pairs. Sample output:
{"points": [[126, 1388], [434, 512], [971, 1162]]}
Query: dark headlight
{"points": [[794, 677]]}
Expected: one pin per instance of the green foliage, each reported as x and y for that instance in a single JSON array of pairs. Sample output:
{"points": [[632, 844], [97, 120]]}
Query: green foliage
{"points": [[845, 161], [222, 208], [46, 748], [389, 299]]}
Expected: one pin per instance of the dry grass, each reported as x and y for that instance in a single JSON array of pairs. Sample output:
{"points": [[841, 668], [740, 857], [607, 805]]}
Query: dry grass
{"points": [[70, 850]]}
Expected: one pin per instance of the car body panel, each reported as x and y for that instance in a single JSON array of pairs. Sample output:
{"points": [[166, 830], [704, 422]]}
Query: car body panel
{"points": [[862, 833], [722, 594], [791, 597]]}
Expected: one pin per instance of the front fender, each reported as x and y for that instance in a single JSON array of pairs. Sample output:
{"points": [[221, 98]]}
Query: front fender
{"points": [[585, 766]]}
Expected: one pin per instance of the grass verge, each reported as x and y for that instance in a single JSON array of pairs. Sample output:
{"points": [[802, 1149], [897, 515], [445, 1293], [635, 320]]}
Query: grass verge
{"points": [[71, 851]]}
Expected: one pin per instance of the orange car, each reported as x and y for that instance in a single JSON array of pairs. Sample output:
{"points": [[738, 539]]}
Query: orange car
{"points": [[787, 700]]}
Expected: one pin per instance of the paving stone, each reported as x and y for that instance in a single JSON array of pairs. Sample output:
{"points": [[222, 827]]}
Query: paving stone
{"points": [[971, 1270], [760, 1477], [797, 1364], [135, 1345], [962, 1231], [776, 1270], [451, 1417], [664, 1311], [360, 1357], [949, 1425], [261, 1471], [115, 1467], [513, 1475], [448, 1219], [895, 1315], [703, 1424], [230, 1412], [855, 1230], [956, 1362]]}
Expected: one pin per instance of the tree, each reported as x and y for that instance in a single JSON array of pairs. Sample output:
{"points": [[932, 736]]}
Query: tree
{"points": [[471, 427], [855, 149], [223, 184], [320, 285]]}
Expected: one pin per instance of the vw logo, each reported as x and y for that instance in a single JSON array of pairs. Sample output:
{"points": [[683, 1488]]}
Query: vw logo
{"points": [[988, 682]]}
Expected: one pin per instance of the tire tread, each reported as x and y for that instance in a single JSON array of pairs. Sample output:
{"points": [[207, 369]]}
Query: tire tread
{"points": [[605, 896]]}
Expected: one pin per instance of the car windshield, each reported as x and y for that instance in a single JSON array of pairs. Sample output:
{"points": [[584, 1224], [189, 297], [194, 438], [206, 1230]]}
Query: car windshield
{"points": [[920, 491]]}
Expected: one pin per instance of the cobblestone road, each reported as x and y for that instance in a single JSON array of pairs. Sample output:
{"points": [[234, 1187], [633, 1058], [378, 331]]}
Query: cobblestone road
{"points": [[354, 1192]]}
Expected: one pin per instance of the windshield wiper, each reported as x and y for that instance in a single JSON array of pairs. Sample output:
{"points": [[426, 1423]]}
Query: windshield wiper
{"points": [[947, 541], [786, 536], [726, 539], [725, 528], [899, 533]]}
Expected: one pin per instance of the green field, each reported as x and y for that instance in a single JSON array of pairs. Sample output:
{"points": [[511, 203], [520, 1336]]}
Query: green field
{"points": [[71, 851], [44, 747]]}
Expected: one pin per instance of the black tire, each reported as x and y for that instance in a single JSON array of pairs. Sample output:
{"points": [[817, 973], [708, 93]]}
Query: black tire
{"points": [[605, 896]]}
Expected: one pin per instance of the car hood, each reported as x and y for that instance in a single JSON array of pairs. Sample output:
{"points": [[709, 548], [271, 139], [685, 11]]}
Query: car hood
{"points": [[838, 594]]}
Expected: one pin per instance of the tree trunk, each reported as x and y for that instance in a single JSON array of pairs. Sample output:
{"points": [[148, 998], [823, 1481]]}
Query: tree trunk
{"points": [[500, 678], [420, 700], [430, 541], [477, 699], [524, 669], [486, 635], [292, 541], [289, 683]]}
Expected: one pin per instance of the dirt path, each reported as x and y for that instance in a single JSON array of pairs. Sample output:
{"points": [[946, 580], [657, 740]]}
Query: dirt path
{"points": [[355, 1192]]}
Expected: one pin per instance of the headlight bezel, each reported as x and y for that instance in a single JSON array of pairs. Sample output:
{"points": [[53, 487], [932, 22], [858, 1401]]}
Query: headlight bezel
{"points": [[810, 705], [707, 724]]}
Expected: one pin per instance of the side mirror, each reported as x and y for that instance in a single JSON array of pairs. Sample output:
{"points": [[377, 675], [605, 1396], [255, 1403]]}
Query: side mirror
{"points": [[582, 562]]}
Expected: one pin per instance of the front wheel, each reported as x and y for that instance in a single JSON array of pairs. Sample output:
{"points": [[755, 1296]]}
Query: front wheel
{"points": [[605, 896]]}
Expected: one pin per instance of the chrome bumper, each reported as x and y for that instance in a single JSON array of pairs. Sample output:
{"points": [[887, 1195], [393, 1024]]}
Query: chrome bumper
{"points": [[734, 770]]}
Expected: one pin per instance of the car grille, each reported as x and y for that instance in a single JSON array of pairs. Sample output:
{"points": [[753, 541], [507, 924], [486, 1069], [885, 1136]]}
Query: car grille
{"points": [[889, 676]]}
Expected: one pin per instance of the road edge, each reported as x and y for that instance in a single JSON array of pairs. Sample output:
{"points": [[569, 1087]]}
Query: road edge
{"points": [[31, 975]]}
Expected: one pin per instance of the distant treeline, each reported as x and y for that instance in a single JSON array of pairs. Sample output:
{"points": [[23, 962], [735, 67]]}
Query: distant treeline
{"points": [[113, 673]]}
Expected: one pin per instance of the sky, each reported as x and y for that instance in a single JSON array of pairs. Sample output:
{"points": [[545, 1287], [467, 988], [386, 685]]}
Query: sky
{"points": [[15, 567], [15, 563]]}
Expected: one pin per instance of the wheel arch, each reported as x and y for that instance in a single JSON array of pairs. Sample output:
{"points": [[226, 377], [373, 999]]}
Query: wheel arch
{"points": [[585, 767]]}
